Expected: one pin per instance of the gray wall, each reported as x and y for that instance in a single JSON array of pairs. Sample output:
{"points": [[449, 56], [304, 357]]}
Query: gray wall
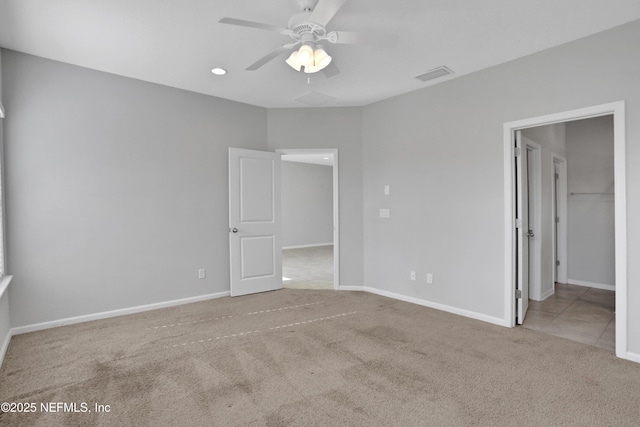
{"points": [[5, 319], [441, 150], [307, 204], [551, 139], [339, 128], [116, 189], [590, 169]]}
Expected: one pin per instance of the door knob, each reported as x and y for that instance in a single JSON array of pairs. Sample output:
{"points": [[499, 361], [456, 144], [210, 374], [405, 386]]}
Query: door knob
{"points": [[530, 233], [234, 230]]}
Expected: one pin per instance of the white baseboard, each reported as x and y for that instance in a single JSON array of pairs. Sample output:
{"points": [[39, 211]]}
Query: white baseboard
{"points": [[5, 346], [547, 294], [604, 286], [442, 307], [633, 357], [315, 245], [351, 288], [114, 313]]}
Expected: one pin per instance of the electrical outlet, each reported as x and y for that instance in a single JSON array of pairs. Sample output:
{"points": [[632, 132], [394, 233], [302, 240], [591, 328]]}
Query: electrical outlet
{"points": [[202, 273], [413, 275], [384, 213], [429, 278]]}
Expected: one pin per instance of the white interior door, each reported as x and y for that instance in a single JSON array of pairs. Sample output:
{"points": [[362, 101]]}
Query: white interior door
{"points": [[522, 225], [255, 244], [556, 219]]}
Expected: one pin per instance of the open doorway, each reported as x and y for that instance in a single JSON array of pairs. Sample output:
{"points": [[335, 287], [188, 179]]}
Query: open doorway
{"points": [[583, 231], [309, 219], [581, 305]]}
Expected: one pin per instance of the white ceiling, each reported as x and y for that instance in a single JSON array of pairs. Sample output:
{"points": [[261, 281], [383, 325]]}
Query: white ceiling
{"points": [[176, 43]]}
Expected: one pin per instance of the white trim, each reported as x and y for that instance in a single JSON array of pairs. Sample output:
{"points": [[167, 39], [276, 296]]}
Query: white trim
{"points": [[352, 288], [547, 294], [510, 279], [333, 153], [437, 306], [618, 111], [5, 346], [315, 245], [605, 286], [620, 207], [562, 214], [114, 313], [633, 357], [4, 284]]}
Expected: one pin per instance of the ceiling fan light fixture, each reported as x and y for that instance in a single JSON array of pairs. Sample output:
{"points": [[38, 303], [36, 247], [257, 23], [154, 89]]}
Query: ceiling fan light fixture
{"points": [[311, 69], [293, 61], [321, 58], [305, 55]]}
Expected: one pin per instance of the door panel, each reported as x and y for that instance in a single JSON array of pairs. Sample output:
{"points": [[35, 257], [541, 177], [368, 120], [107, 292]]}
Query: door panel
{"points": [[258, 252], [255, 248], [256, 191], [522, 222]]}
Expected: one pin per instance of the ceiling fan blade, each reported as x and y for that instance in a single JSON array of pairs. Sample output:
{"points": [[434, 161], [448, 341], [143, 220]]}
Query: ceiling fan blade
{"points": [[325, 10], [367, 38], [331, 70], [270, 56], [251, 24]]}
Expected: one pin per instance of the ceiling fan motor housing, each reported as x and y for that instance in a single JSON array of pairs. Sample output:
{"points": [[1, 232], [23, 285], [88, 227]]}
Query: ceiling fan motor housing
{"points": [[300, 24]]}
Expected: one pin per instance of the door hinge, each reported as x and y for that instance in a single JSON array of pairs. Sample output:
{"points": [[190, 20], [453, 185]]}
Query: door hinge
{"points": [[558, 262], [517, 152], [518, 294], [557, 219], [557, 176], [518, 223]]}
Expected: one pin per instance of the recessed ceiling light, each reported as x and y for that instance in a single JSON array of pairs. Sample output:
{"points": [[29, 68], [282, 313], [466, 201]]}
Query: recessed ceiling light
{"points": [[219, 71]]}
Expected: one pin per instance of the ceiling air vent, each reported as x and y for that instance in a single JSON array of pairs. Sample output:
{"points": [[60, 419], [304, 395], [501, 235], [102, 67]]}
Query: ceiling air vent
{"points": [[434, 74], [315, 99]]}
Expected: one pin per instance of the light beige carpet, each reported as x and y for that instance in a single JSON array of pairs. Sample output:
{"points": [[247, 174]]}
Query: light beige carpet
{"points": [[305, 357]]}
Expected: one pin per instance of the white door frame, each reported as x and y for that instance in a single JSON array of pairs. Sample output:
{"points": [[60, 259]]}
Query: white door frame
{"points": [[617, 109], [333, 152], [560, 227]]}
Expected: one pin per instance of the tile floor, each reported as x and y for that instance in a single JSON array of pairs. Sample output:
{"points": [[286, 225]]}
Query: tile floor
{"points": [[308, 268], [577, 313]]}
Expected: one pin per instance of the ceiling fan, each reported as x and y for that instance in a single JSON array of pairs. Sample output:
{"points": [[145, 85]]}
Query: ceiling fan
{"points": [[308, 30]]}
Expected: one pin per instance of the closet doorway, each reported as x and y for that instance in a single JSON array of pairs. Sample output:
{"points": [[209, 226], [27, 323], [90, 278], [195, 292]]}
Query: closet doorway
{"points": [[596, 281]]}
